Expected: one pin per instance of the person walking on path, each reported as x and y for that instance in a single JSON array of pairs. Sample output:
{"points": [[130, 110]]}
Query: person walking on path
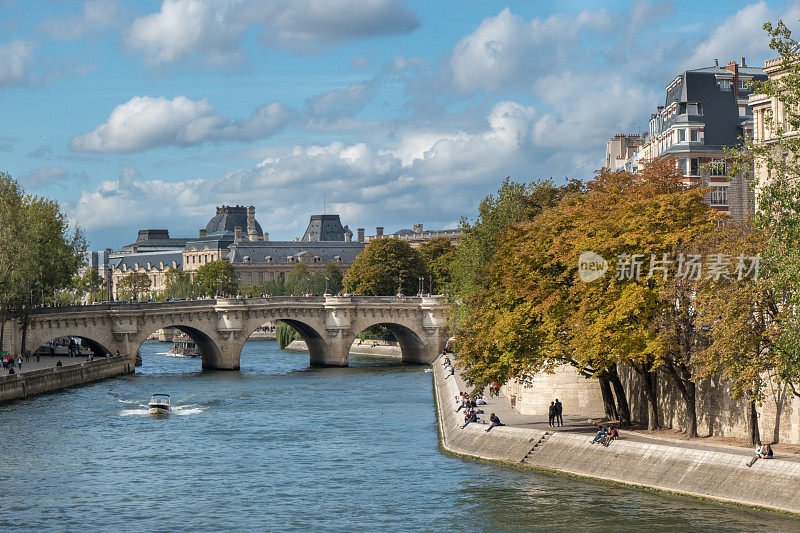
{"points": [[551, 414], [559, 409], [495, 421], [19, 363], [757, 456]]}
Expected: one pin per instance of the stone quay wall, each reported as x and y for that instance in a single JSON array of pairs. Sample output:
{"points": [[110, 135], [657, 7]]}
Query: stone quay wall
{"points": [[579, 395], [713, 474], [718, 413], [26, 384]]}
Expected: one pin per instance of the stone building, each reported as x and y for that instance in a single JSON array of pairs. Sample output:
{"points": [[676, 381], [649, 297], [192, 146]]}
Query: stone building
{"points": [[414, 236], [770, 120], [620, 152], [705, 111], [154, 264]]}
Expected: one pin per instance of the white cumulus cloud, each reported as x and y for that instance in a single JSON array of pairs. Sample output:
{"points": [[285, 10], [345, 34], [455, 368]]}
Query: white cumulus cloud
{"points": [[145, 122], [15, 60]]}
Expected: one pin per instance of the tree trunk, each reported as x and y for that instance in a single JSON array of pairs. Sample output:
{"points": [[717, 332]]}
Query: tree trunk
{"points": [[608, 398], [752, 416], [2, 331], [691, 409], [651, 391], [623, 409]]}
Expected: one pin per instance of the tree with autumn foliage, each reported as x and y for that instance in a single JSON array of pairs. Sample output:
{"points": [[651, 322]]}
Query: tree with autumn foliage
{"points": [[536, 313]]}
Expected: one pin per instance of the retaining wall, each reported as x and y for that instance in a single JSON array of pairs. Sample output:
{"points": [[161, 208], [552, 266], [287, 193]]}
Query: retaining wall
{"points": [[18, 386], [714, 474]]}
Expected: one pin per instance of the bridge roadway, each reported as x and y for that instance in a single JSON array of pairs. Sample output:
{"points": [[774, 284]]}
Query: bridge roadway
{"points": [[220, 327]]}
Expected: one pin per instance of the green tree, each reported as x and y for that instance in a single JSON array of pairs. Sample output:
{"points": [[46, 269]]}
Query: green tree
{"points": [[90, 283], [178, 284], [285, 334], [133, 286], [218, 278], [437, 254], [384, 266], [777, 186], [334, 276]]}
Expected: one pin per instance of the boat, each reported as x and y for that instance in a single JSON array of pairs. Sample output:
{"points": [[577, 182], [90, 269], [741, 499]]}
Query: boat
{"points": [[159, 404], [183, 345]]}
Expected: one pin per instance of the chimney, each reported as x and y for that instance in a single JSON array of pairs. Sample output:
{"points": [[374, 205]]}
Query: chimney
{"points": [[734, 68], [202, 232], [379, 232], [716, 62], [265, 237], [251, 219], [417, 228], [348, 237], [360, 233], [743, 63], [237, 234]]}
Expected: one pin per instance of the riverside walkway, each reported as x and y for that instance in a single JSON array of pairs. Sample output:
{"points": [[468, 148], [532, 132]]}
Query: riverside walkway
{"points": [[501, 406], [715, 471], [44, 362]]}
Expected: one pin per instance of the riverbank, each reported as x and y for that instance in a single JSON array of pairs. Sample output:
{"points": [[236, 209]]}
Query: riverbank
{"points": [[708, 471], [53, 378], [362, 349]]}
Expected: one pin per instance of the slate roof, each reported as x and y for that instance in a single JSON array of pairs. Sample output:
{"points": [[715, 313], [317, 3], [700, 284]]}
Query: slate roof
{"points": [[215, 241], [720, 109], [228, 217], [154, 258], [281, 250], [153, 240], [326, 228]]}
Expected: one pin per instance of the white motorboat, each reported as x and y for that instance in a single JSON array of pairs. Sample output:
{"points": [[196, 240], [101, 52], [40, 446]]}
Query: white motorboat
{"points": [[159, 404]]}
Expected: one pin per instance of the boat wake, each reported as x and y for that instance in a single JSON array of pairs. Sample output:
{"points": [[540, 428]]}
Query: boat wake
{"points": [[180, 410]]}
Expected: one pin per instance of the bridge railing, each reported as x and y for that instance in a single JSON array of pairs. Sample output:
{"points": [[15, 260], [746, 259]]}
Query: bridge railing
{"points": [[128, 306]]}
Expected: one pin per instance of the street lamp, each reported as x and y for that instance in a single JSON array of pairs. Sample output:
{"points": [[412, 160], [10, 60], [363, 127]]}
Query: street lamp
{"points": [[399, 285], [326, 286], [421, 285]]}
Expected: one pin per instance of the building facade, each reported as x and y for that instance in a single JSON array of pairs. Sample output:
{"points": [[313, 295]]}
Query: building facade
{"points": [[705, 111]]}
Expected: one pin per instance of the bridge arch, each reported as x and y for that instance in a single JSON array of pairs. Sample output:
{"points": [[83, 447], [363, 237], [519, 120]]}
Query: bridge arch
{"points": [[413, 348], [210, 352], [99, 347]]}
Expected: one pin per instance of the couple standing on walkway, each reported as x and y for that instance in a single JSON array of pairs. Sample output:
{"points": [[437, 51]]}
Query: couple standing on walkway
{"points": [[554, 413]]}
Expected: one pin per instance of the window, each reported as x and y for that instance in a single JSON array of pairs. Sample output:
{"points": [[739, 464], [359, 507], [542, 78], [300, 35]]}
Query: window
{"points": [[681, 136], [261, 277], [693, 109], [693, 135], [719, 196], [725, 85], [742, 85], [718, 167], [694, 167]]}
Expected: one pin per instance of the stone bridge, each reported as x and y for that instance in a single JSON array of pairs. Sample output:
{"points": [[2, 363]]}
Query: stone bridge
{"points": [[329, 325]]}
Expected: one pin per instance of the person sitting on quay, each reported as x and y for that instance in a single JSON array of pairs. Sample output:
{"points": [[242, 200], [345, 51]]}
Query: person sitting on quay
{"points": [[451, 372], [464, 404], [766, 453], [58, 364], [495, 421], [600, 435], [613, 434], [469, 417], [758, 454], [480, 400]]}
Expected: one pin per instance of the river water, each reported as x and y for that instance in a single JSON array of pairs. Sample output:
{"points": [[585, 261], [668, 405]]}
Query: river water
{"points": [[281, 446]]}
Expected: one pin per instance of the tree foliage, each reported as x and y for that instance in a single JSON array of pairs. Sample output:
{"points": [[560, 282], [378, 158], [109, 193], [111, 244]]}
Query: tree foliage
{"points": [[217, 278], [386, 267], [438, 255], [134, 286]]}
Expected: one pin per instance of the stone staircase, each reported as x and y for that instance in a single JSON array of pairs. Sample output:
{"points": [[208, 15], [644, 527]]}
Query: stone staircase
{"points": [[537, 446]]}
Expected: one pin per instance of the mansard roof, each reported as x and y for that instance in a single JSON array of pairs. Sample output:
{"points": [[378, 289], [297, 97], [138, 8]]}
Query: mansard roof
{"points": [[129, 261], [259, 251]]}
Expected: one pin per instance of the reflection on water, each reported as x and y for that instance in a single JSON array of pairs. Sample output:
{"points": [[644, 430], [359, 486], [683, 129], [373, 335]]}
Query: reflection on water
{"points": [[281, 446]]}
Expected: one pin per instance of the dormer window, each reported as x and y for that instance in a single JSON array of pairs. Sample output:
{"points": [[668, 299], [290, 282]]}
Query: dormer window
{"points": [[338, 258], [269, 259], [725, 85]]}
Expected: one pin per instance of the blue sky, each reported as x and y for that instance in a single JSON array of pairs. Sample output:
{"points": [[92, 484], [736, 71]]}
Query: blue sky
{"points": [[148, 114]]}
